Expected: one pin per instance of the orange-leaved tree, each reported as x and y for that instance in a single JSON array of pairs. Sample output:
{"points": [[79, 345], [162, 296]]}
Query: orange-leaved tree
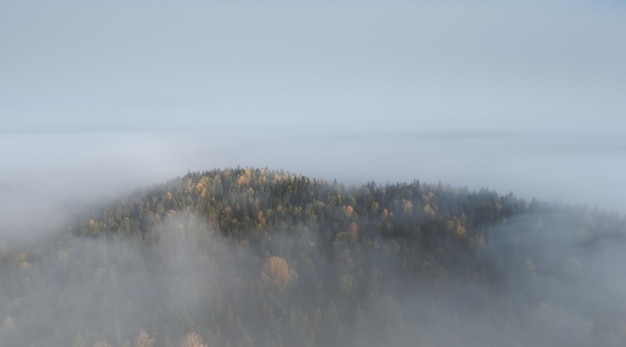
{"points": [[193, 340], [277, 272], [143, 339]]}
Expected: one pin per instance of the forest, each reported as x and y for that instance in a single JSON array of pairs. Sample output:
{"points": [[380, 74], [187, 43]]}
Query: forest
{"points": [[258, 257]]}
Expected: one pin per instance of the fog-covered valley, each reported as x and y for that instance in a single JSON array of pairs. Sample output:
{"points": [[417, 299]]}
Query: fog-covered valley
{"points": [[258, 257], [424, 173]]}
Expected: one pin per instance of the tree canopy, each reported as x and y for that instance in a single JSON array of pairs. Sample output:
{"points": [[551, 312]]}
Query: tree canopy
{"points": [[254, 257]]}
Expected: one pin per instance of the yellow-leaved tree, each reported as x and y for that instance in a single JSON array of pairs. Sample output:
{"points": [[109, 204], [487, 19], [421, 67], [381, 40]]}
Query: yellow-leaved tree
{"points": [[8, 324], [193, 340], [143, 339], [277, 272]]}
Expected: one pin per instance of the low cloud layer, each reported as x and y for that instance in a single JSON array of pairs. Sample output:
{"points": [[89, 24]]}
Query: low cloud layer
{"points": [[565, 289], [522, 97], [49, 176]]}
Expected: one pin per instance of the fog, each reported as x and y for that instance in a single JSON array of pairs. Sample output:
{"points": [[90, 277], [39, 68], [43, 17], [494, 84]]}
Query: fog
{"points": [[526, 97], [48, 175], [194, 278], [517, 96]]}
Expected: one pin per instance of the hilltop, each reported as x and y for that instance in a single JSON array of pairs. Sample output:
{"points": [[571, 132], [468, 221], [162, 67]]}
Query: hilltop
{"points": [[255, 257]]}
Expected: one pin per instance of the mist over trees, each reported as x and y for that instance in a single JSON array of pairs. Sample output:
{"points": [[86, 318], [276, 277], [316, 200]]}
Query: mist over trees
{"points": [[254, 257]]}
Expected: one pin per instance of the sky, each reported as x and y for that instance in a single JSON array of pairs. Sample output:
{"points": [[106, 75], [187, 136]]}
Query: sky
{"points": [[519, 96], [434, 64]]}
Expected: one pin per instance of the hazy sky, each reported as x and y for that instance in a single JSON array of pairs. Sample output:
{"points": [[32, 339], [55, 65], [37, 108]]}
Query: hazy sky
{"points": [[450, 64], [524, 96]]}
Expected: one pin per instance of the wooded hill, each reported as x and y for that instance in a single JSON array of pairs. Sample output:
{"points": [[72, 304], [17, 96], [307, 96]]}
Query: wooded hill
{"points": [[253, 257]]}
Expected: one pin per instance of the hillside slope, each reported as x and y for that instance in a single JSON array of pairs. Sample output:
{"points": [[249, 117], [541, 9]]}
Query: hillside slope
{"points": [[253, 257]]}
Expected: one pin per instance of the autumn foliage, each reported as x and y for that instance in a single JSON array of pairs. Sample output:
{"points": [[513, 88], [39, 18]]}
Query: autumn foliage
{"points": [[144, 340], [277, 272], [247, 257], [192, 340]]}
